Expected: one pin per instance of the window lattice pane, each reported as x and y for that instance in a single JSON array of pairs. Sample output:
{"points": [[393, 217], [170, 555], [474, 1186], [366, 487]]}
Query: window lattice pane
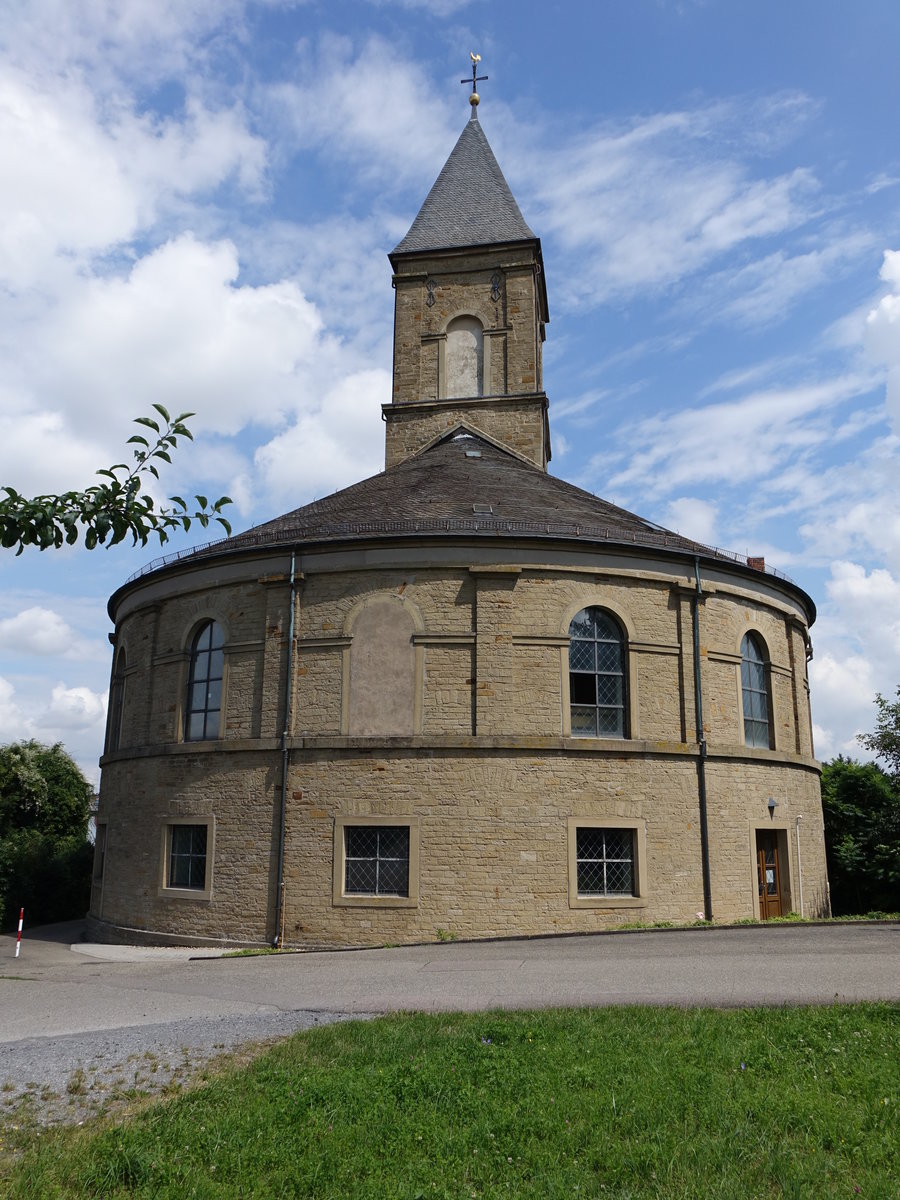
{"points": [[204, 695], [376, 861], [394, 842], [582, 625], [581, 656], [393, 876], [754, 693], [584, 721], [609, 722], [609, 657], [596, 675], [605, 862], [609, 689], [619, 880], [362, 875], [604, 626], [187, 859]]}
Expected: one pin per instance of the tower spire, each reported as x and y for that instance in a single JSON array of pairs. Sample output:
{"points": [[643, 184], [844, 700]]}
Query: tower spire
{"points": [[474, 98]]}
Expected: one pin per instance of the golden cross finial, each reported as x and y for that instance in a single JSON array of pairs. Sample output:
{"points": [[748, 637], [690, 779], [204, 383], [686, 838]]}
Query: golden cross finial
{"points": [[476, 59]]}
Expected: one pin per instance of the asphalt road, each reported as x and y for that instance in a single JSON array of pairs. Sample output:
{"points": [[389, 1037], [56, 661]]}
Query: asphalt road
{"points": [[66, 1005]]}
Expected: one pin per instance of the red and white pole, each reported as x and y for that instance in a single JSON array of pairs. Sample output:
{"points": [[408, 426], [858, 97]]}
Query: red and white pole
{"points": [[19, 936]]}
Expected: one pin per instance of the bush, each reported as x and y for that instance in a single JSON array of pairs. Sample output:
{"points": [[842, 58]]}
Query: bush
{"points": [[51, 880], [45, 858]]}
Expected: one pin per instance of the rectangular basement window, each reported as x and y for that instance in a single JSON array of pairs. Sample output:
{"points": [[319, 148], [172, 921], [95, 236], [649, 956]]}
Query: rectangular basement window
{"points": [[376, 862], [187, 857], [607, 863]]}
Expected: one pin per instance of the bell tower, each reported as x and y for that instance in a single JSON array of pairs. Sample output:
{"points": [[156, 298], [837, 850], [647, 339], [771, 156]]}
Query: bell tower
{"points": [[470, 312]]}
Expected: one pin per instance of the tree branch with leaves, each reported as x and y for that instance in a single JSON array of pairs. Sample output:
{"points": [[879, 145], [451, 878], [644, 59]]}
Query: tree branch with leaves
{"points": [[116, 509]]}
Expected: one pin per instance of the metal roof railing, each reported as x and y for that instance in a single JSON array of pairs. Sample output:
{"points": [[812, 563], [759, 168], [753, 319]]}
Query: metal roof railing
{"points": [[616, 535]]}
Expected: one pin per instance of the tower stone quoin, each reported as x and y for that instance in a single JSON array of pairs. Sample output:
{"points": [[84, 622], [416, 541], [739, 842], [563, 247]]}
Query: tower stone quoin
{"points": [[463, 694]]}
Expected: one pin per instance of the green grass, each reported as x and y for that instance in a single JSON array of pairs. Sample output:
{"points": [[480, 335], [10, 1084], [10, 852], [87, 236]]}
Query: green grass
{"points": [[612, 1103]]}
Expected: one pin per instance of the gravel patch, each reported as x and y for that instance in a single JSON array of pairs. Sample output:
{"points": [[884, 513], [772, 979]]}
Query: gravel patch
{"points": [[66, 1080]]}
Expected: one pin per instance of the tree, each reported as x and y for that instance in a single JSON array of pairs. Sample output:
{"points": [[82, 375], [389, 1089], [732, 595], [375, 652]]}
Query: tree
{"points": [[885, 741], [115, 509], [861, 807], [45, 857]]}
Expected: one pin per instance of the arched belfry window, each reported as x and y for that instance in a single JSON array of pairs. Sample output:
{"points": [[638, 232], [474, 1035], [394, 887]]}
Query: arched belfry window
{"points": [[755, 691], [597, 675], [465, 358], [116, 703], [204, 696]]}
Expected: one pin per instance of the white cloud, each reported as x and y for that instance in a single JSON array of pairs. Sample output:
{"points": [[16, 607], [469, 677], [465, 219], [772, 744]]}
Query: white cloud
{"points": [[117, 174], [13, 724], [42, 632], [858, 634], [763, 291], [438, 8], [842, 689], [335, 443], [693, 518], [730, 442], [147, 39], [852, 507], [361, 86], [882, 335], [645, 206], [177, 329], [74, 709], [869, 604]]}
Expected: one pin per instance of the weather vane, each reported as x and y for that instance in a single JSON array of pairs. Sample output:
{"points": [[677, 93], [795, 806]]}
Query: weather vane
{"points": [[476, 59]]}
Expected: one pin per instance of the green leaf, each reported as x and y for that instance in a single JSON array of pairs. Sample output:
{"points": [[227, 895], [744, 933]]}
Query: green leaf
{"points": [[148, 421], [162, 412]]}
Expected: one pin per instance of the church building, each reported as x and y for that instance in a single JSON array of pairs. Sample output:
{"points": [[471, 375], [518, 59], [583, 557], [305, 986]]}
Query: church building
{"points": [[460, 698]]}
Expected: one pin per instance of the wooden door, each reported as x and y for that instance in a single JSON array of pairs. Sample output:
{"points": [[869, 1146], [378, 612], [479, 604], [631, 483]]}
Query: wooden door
{"points": [[768, 873]]}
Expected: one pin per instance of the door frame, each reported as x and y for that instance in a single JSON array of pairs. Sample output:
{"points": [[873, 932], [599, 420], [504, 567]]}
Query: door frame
{"points": [[782, 830]]}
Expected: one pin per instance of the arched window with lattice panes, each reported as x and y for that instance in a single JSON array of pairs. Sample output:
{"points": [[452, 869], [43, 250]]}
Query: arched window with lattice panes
{"points": [[597, 676], [203, 708], [755, 693]]}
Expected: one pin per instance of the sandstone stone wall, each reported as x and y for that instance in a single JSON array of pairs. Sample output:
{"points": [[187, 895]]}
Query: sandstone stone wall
{"points": [[518, 423], [485, 767], [466, 283]]}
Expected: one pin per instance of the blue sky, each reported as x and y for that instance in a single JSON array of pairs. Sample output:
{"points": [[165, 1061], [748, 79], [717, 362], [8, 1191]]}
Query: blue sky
{"points": [[197, 201]]}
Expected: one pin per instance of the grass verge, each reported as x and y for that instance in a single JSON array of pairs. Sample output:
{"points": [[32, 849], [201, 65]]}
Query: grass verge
{"points": [[613, 1103]]}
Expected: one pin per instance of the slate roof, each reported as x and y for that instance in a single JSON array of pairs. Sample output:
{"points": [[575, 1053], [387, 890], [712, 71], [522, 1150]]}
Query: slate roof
{"points": [[463, 484], [470, 203]]}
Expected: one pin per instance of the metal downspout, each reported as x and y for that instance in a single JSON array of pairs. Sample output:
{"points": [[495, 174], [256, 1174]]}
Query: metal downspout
{"points": [[285, 756], [701, 740]]}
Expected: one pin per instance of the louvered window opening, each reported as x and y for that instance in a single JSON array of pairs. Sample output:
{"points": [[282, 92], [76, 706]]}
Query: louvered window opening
{"points": [[605, 859], [596, 675], [187, 857], [754, 693], [204, 698], [376, 860]]}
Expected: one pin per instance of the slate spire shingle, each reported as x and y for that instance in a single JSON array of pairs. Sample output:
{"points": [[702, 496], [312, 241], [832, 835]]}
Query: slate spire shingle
{"points": [[470, 203]]}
